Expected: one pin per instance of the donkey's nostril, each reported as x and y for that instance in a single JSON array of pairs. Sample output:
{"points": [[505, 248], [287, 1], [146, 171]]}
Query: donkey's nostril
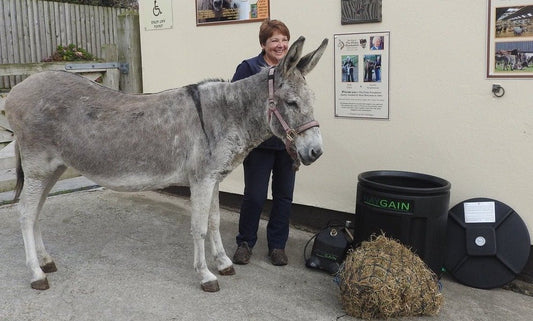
{"points": [[315, 154]]}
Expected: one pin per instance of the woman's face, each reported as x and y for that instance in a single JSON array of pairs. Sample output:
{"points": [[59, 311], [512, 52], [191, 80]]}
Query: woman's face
{"points": [[275, 48]]}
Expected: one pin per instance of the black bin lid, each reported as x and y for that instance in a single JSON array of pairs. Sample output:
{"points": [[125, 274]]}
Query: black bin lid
{"points": [[487, 243]]}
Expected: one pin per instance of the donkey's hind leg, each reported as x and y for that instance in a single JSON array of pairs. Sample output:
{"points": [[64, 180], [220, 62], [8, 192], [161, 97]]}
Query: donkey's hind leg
{"points": [[45, 260], [32, 198]]}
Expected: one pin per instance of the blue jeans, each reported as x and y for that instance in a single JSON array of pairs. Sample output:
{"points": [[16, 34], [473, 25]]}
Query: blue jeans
{"points": [[257, 168]]}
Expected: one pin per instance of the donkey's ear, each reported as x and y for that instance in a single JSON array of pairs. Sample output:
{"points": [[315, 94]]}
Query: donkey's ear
{"points": [[290, 61], [309, 61]]}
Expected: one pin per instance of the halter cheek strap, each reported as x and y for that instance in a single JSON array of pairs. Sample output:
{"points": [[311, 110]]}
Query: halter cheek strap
{"points": [[290, 133]]}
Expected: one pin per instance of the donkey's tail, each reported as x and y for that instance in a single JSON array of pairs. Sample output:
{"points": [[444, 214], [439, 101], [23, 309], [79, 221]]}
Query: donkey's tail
{"points": [[20, 173]]}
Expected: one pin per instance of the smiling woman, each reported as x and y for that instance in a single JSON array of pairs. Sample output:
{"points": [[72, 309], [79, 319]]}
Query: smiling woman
{"points": [[272, 156], [275, 48]]}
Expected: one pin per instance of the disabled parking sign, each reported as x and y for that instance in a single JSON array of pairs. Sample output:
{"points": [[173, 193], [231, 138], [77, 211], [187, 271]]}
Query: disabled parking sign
{"points": [[157, 13]]}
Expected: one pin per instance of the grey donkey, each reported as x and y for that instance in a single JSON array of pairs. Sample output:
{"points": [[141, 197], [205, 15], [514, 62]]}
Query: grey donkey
{"points": [[189, 136]]}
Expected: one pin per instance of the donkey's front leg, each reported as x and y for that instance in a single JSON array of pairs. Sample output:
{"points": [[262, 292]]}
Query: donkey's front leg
{"points": [[201, 195], [224, 264]]}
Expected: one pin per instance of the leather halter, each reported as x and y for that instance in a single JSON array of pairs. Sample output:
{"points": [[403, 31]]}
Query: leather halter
{"points": [[290, 132]]}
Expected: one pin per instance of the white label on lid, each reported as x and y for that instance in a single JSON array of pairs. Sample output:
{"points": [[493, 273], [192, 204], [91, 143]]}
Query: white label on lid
{"points": [[480, 212]]}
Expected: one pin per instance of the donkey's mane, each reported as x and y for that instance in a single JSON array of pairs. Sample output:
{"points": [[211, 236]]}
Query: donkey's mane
{"points": [[208, 80]]}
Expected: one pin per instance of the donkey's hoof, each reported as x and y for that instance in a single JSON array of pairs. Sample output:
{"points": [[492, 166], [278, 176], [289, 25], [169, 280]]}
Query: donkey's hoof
{"points": [[211, 286], [227, 271], [40, 284], [49, 267]]}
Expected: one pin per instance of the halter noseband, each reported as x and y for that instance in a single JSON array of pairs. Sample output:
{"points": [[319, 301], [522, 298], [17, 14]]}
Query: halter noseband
{"points": [[290, 133]]}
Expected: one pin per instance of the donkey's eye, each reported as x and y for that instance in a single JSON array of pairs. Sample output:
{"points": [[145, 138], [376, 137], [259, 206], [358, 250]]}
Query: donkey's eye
{"points": [[292, 104]]}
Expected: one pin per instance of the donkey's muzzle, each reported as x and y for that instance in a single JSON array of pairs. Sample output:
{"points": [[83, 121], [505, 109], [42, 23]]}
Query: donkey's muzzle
{"points": [[310, 154]]}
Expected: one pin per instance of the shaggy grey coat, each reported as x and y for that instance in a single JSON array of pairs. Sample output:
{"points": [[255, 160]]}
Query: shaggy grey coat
{"points": [[191, 136]]}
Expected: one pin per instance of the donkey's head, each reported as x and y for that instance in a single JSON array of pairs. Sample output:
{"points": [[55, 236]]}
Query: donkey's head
{"points": [[218, 5], [291, 103]]}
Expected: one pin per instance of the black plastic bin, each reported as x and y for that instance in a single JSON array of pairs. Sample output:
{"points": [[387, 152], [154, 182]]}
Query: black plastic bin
{"points": [[409, 207]]}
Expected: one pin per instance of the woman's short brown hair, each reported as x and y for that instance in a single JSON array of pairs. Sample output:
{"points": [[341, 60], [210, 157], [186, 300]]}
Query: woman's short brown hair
{"points": [[269, 26]]}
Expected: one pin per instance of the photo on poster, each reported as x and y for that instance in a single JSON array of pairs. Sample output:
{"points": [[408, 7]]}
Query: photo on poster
{"points": [[510, 39], [377, 43], [350, 67], [372, 71]]}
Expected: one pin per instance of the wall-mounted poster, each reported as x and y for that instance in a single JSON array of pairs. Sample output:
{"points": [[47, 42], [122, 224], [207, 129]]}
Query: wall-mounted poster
{"points": [[362, 75], [210, 12], [510, 39], [360, 11]]}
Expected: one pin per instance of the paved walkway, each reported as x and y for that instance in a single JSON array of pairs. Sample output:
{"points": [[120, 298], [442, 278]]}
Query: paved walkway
{"points": [[128, 256]]}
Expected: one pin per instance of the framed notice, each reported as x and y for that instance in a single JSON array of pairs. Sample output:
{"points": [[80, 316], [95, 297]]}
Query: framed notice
{"points": [[510, 39], [210, 12], [362, 75]]}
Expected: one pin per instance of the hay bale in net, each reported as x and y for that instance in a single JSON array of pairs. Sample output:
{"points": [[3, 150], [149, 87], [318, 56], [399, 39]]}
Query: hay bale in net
{"points": [[384, 279]]}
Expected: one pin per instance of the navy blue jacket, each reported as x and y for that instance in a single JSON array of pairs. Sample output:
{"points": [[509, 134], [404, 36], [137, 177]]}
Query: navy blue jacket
{"points": [[246, 69]]}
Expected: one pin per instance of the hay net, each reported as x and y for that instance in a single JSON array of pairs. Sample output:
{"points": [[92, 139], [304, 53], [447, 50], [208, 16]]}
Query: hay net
{"points": [[384, 279]]}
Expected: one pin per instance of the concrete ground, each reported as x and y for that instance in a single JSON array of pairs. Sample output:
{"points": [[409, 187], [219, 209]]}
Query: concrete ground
{"points": [[128, 256]]}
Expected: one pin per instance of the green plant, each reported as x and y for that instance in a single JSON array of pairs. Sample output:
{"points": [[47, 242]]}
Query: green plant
{"points": [[70, 53]]}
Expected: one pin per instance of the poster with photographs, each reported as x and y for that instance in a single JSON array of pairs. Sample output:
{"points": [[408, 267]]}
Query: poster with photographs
{"points": [[510, 39], [210, 12], [360, 11], [362, 75]]}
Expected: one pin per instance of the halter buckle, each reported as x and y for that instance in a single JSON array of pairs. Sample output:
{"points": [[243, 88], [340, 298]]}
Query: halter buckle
{"points": [[291, 135]]}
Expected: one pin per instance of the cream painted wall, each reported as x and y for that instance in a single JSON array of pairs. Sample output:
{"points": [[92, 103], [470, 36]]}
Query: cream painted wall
{"points": [[444, 120]]}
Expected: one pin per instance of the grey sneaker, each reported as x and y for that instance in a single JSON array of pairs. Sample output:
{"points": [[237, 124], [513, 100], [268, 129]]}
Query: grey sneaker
{"points": [[242, 254], [278, 257]]}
